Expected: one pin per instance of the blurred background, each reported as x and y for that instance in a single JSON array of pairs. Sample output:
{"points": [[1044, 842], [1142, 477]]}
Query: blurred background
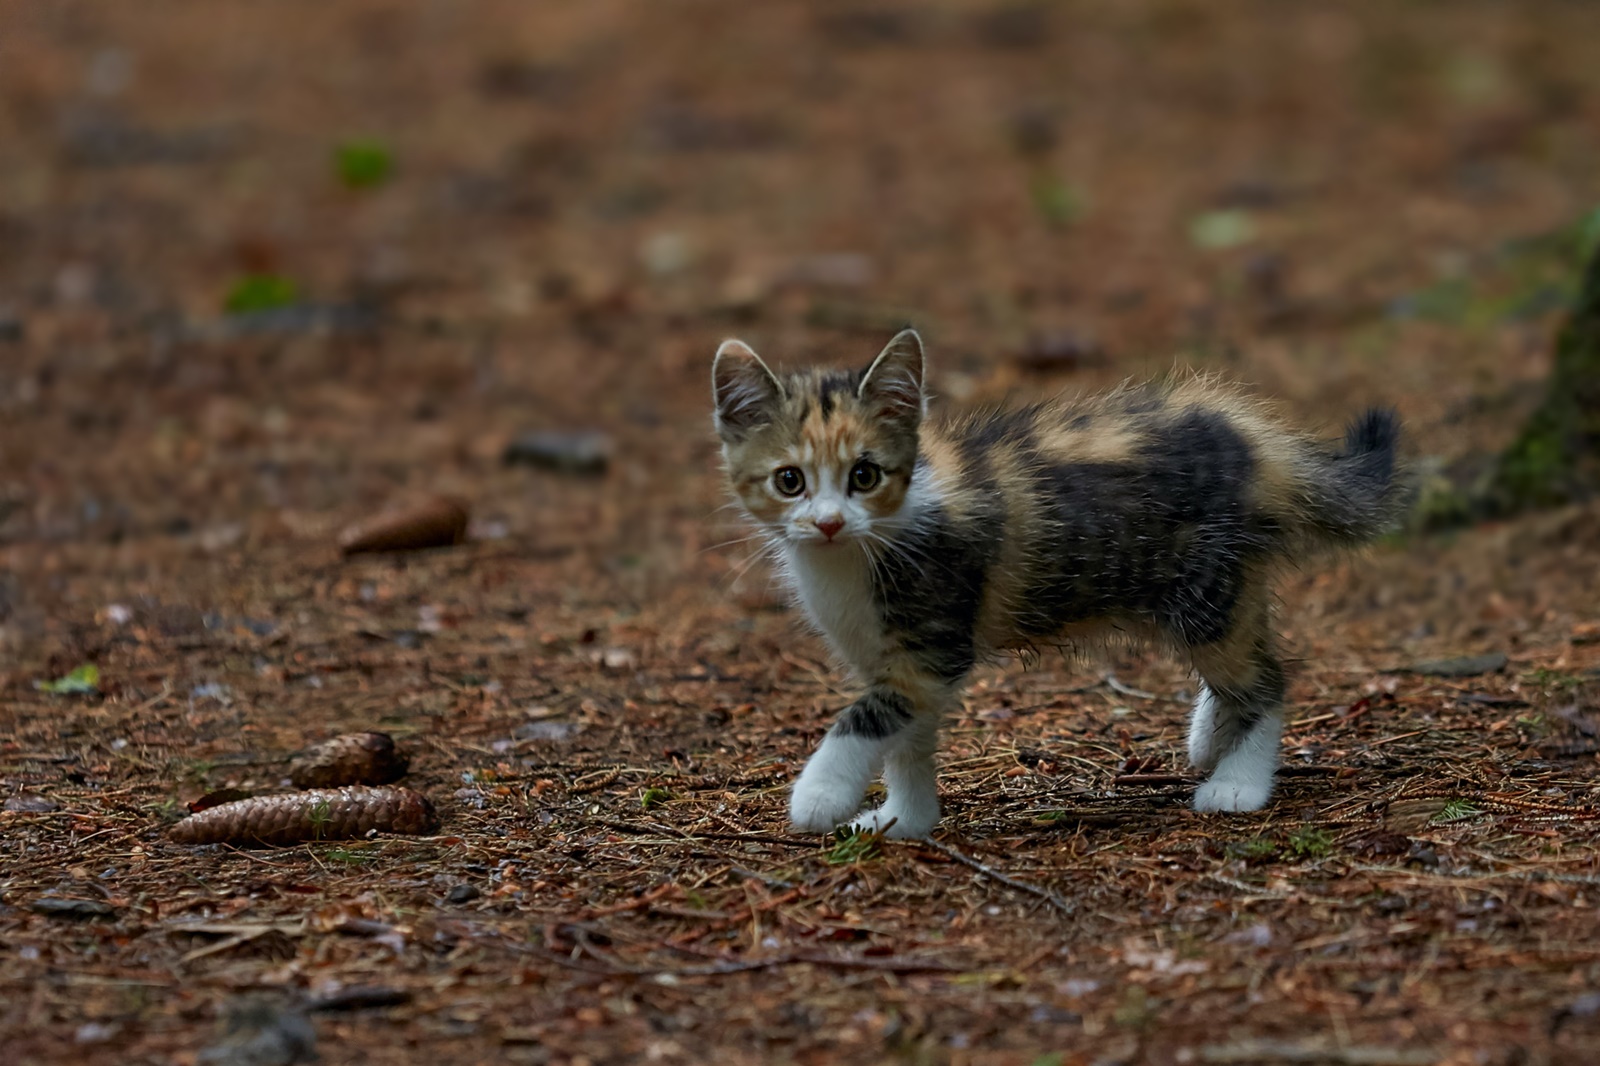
{"points": [[260, 264], [271, 269]]}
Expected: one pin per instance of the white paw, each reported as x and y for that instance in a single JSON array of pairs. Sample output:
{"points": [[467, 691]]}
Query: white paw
{"points": [[833, 784], [1227, 793], [898, 823], [816, 810]]}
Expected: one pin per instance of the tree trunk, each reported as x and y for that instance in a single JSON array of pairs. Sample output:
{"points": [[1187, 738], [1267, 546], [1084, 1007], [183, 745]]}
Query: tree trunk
{"points": [[1556, 459]]}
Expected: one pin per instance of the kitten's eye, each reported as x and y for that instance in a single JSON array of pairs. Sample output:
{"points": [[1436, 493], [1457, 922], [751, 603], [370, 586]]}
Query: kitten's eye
{"points": [[790, 481], [864, 478]]}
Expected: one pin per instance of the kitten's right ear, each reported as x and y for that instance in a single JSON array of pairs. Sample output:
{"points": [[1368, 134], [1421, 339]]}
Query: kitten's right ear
{"points": [[746, 392]]}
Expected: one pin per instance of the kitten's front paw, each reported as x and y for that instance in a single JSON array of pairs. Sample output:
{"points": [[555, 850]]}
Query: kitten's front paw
{"points": [[897, 823], [1227, 793], [814, 810], [1202, 731]]}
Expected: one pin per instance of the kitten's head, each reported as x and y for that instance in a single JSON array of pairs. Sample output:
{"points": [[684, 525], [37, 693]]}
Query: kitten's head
{"points": [[820, 457]]}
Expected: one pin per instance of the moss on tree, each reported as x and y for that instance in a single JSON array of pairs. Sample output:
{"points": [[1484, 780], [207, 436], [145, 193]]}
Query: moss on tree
{"points": [[1556, 458]]}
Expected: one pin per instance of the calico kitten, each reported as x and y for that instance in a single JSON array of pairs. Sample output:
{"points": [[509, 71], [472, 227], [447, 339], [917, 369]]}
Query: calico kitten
{"points": [[921, 548]]}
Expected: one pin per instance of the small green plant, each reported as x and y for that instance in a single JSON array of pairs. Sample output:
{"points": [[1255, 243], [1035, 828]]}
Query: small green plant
{"points": [[1256, 849], [1553, 679], [1222, 229], [321, 815], [653, 797], [261, 292], [363, 163], [1311, 843], [352, 856], [1457, 810], [1135, 1011], [196, 770], [1057, 202], [854, 845], [84, 681]]}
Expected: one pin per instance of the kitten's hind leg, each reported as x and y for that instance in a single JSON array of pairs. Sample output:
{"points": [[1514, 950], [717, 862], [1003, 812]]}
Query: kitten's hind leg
{"points": [[912, 806], [1238, 721], [830, 789]]}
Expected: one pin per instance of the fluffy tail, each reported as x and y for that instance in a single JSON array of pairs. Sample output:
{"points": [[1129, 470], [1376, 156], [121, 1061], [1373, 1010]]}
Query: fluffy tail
{"points": [[1354, 494]]}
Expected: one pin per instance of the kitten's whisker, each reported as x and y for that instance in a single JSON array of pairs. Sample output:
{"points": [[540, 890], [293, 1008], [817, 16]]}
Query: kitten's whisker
{"points": [[768, 549], [730, 543]]}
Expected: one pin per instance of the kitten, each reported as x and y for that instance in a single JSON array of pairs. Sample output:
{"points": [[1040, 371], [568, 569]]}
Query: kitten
{"points": [[922, 548]]}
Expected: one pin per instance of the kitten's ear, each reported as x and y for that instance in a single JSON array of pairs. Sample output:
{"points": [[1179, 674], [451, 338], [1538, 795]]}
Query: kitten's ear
{"points": [[746, 392], [892, 385]]}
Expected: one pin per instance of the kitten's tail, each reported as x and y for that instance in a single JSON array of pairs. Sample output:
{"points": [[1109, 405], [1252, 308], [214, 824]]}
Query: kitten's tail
{"points": [[1356, 493]]}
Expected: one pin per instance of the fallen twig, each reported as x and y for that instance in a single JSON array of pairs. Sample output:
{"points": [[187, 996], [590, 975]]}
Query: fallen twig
{"points": [[990, 872], [1284, 1051]]}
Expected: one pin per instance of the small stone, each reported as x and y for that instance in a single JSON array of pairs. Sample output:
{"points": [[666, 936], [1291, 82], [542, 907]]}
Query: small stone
{"points": [[585, 453], [547, 730], [31, 803], [1464, 666], [618, 659], [465, 892], [93, 1033], [78, 910]]}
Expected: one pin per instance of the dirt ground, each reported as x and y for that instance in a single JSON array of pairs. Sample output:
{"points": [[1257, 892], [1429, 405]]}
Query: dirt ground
{"points": [[1338, 203]]}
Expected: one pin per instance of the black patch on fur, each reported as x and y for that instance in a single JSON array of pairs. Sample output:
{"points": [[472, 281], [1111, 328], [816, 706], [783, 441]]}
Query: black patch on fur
{"points": [[1004, 427], [1165, 536], [877, 714], [1140, 400], [930, 584], [832, 384]]}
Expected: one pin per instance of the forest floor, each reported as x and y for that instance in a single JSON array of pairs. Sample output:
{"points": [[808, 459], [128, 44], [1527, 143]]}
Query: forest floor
{"points": [[441, 226]]}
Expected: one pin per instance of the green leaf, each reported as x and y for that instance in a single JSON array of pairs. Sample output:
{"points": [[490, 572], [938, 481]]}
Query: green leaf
{"points": [[1057, 202], [85, 680], [854, 845], [363, 164], [261, 292], [1219, 230], [1311, 843], [1457, 810]]}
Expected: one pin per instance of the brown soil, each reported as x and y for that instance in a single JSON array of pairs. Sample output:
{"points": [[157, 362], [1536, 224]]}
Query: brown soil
{"points": [[604, 705]]}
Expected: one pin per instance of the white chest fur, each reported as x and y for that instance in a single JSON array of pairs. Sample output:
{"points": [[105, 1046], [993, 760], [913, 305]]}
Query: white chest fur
{"points": [[833, 584]]}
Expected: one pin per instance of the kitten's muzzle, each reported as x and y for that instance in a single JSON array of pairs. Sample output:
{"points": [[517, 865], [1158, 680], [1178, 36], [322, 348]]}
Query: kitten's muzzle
{"points": [[829, 525]]}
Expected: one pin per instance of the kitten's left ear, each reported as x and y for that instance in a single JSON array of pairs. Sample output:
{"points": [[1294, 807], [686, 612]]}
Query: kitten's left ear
{"points": [[745, 390], [892, 385]]}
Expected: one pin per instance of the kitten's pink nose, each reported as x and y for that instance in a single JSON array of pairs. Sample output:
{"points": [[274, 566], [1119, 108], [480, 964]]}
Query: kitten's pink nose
{"points": [[830, 525]]}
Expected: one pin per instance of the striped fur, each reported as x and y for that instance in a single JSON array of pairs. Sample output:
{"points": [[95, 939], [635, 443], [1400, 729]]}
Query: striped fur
{"points": [[921, 548]]}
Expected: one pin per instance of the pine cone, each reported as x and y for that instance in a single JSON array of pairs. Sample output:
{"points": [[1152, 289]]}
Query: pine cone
{"points": [[351, 759], [320, 814], [434, 522]]}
